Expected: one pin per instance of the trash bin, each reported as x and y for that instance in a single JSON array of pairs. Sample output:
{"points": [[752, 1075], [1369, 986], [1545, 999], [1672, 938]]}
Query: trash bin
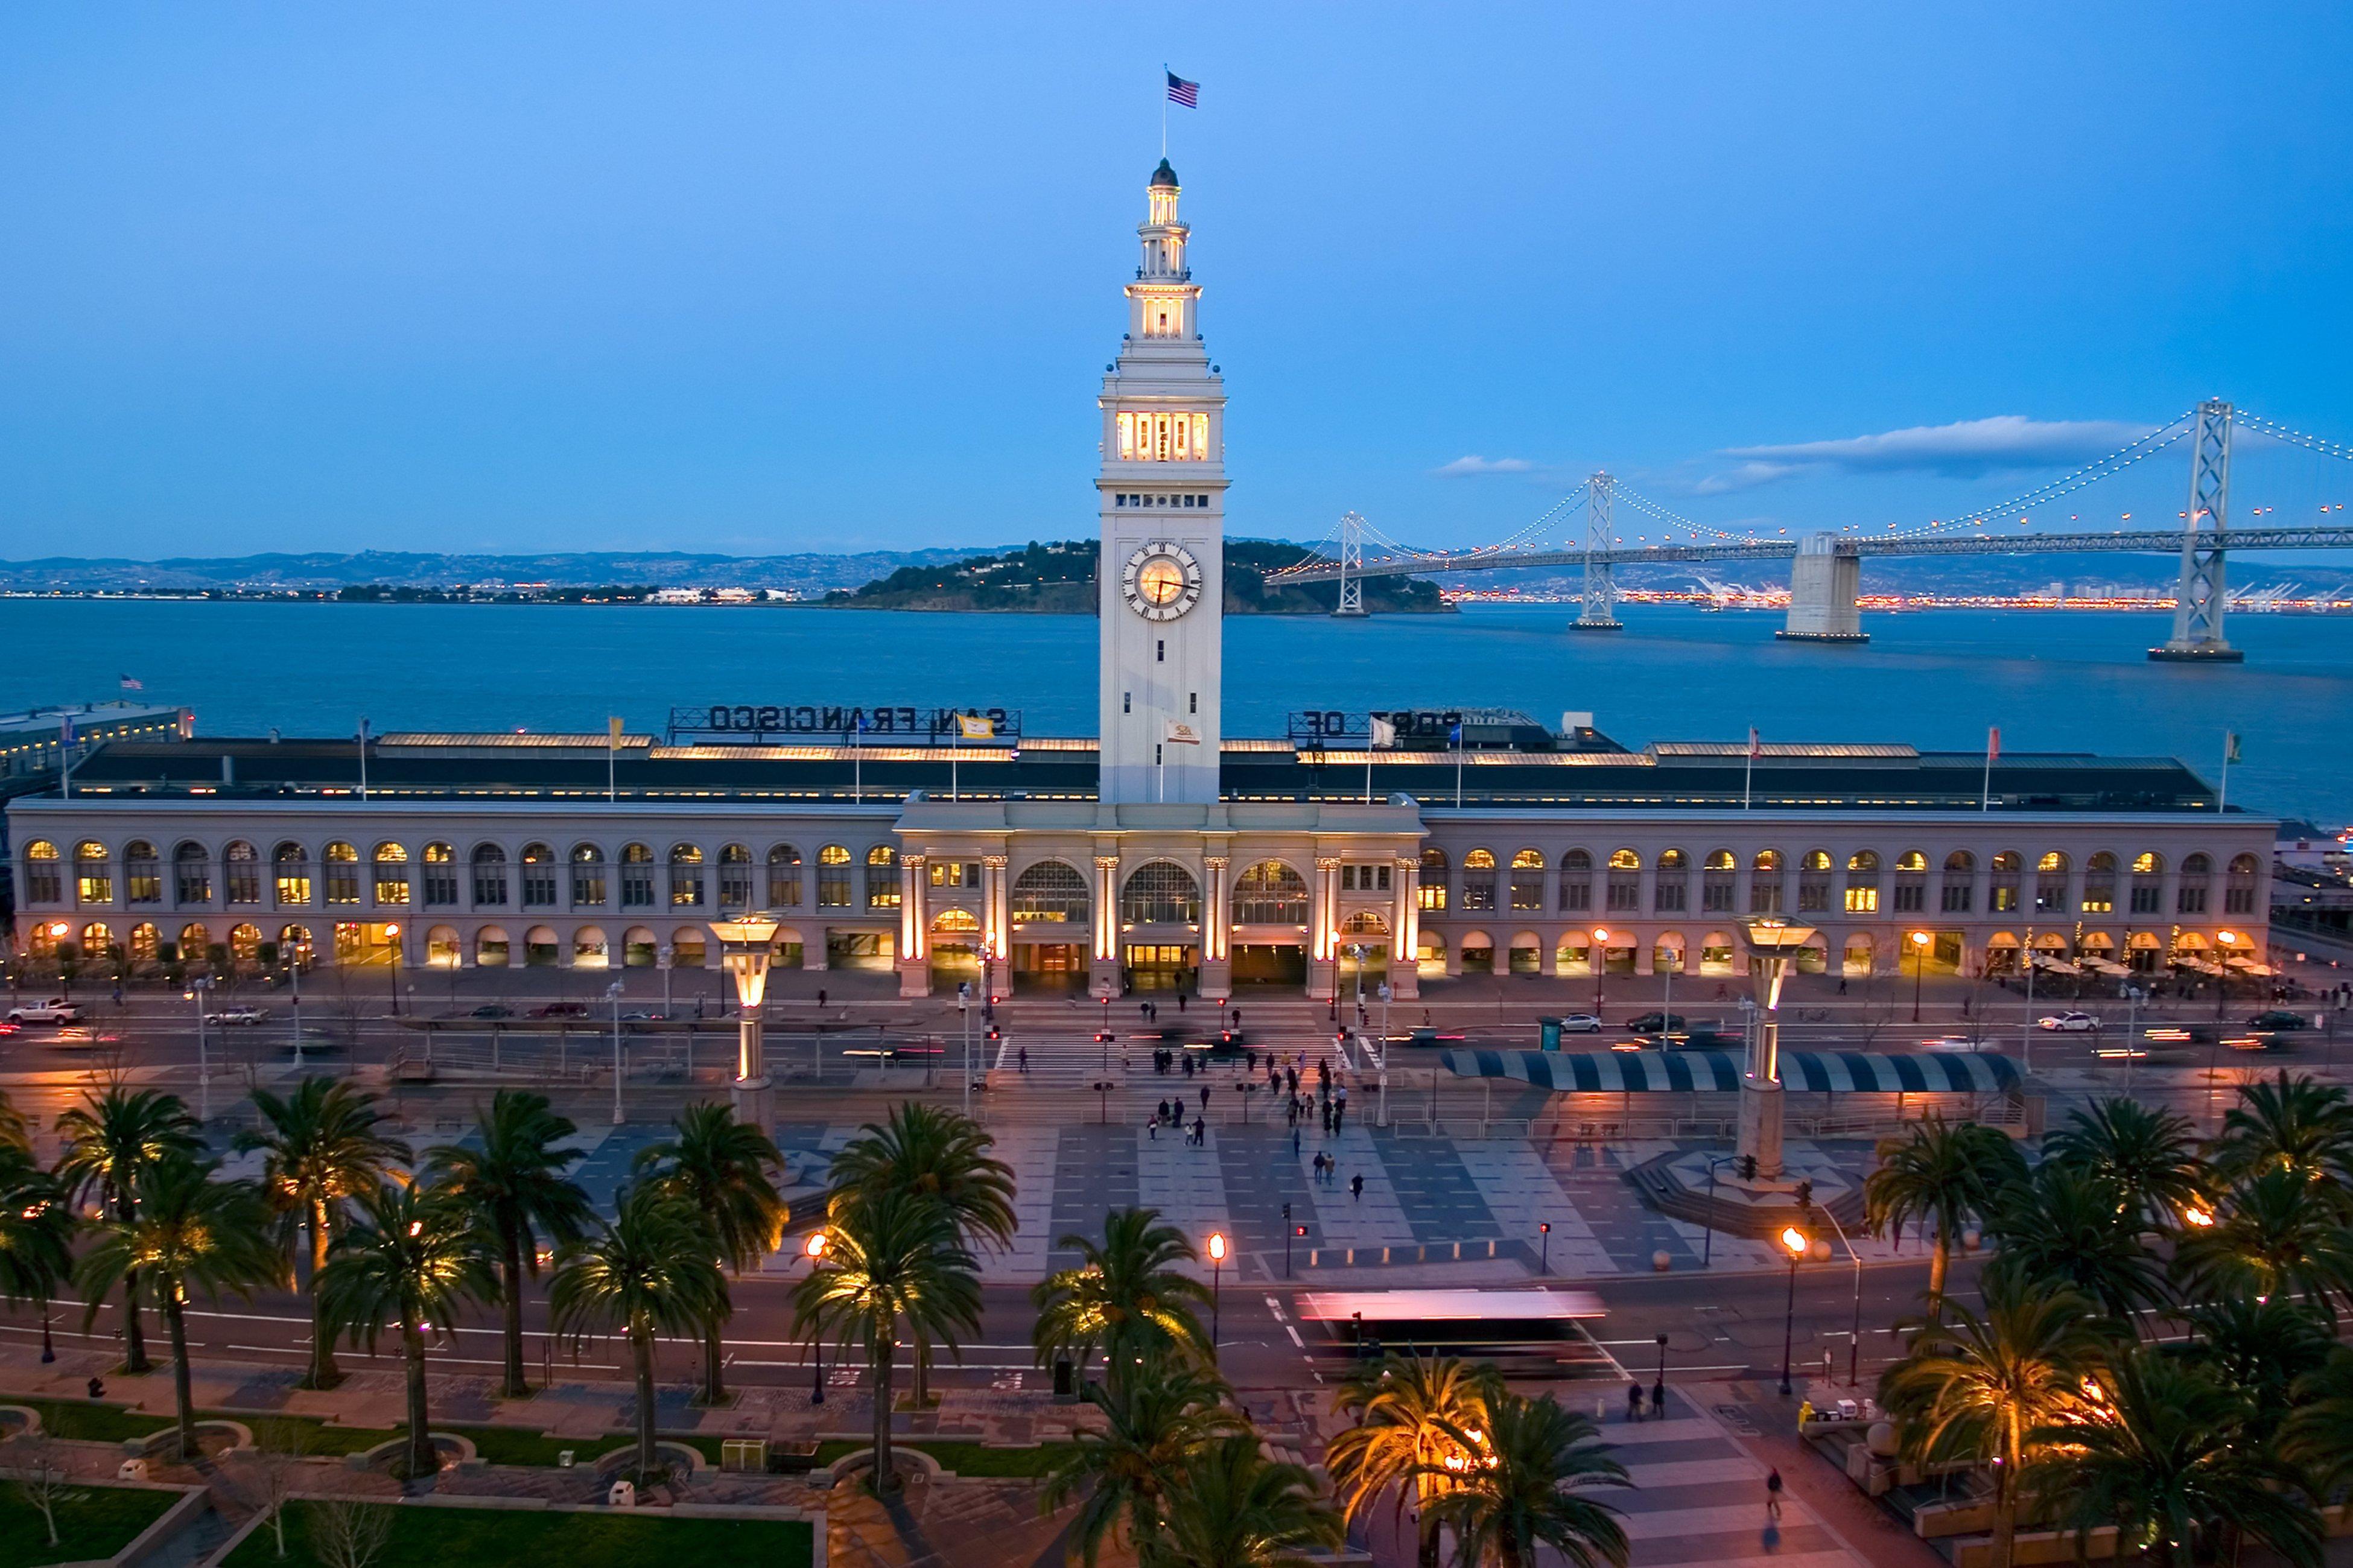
{"points": [[1548, 1034], [1065, 1379]]}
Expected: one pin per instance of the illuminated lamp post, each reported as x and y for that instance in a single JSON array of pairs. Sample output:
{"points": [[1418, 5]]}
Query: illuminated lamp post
{"points": [[1217, 1283], [747, 943], [1773, 946], [1795, 1243], [814, 1251], [2229, 939], [1601, 962], [1919, 962]]}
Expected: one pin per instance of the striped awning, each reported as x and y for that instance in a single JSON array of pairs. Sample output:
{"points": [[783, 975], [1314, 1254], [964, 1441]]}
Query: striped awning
{"points": [[1815, 1072]]}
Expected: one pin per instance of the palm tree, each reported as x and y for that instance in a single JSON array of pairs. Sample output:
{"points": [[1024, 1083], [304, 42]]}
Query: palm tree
{"points": [[1522, 1485], [1405, 1406], [2292, 1122], [1939, 1175], [723, 1170], [2073, 1227], [1233, 1508], [15, 1131], [2261, 1348], [515, 1186], [1152, 1428], [323, 1147], [112, 1141], [1990, 1388], [408, 1259], [653, 1267], [2275, 1237], [2318, 1434], [2165, 1458], [2152, 1156], [192, 1235], [895, 1258], [1126, 1296], [37, 1227]]}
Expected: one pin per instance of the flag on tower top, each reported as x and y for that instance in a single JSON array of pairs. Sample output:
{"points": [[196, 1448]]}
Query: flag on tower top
{"points": [[132, 683], [1187, 93], [1993, 745]]}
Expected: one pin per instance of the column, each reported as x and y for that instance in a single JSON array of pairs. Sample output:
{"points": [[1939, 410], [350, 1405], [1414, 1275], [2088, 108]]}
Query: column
{"points": [[1323, 905], [1405, 929], [996, 925], [1217, 929], [1105, 979], [914, 928]]}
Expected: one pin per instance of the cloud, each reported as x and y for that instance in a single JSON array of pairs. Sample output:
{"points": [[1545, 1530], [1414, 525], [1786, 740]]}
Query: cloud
{"points": [[1966, 449], [1469, 466]]}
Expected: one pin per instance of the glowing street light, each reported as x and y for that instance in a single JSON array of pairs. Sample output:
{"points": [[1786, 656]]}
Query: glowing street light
{"points": [[1216, 1282], [814, 1250], [1796, 1243], [1919, 962], [747, 943]]}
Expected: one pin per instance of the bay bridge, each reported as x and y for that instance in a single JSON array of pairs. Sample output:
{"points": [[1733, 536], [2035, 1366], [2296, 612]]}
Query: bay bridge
{"points": [[1826, 565]]}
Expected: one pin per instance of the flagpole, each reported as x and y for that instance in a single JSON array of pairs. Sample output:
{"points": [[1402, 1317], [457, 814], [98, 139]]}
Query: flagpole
{"points": [[1164, 110], [364, 794], [2222, 795]]}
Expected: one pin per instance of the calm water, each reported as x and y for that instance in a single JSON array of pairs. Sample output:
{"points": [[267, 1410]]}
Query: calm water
{"points": [[2052, 680]]}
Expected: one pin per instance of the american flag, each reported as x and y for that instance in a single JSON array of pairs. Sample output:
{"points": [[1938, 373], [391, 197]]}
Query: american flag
{"points": [[1187, 93], [129, 684]]}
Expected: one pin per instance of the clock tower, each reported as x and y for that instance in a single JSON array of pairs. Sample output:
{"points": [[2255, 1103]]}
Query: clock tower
{"points": [[1162, 492]]}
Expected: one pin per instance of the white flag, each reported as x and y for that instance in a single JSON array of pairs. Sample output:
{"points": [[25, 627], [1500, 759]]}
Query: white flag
{"points": [[1384, 733], [1178, 734]]}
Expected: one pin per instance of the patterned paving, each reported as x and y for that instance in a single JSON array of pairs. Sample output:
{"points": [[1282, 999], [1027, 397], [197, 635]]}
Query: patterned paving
{"points": [[1699, 1497]]}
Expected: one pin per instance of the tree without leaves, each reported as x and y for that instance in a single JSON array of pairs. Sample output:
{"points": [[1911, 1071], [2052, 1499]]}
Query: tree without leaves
{"points": [[40, 1477], [723, 1169], [322, 1147], [193, 1235], [1233, 1508], [346, 1533], [1404, 1407], [653, 1267], [1940, 1174], [1523, 1490], [113, 1139], [408, 1259], [1152, 1427], [896, 1259], [515, 1187], [1126, 1296]]}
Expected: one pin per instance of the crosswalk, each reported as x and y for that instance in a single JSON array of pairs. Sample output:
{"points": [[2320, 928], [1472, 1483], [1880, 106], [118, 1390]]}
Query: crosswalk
{"points": [[1700, 1497]]}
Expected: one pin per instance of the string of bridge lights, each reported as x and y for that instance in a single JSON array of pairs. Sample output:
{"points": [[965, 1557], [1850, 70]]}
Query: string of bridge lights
{"points": [[2279, 432]]}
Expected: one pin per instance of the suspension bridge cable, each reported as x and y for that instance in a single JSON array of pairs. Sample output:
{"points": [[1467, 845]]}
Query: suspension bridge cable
{"points": [[2279, 432]]}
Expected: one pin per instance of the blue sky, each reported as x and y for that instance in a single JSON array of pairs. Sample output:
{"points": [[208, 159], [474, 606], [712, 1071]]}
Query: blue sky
{"points": [[761, 279]]}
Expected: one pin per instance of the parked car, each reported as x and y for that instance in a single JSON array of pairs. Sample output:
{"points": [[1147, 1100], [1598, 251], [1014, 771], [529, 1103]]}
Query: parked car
{"points": [[1580, 1024], [1656, 1023], [492, 1010], [55, 1010], [2279, 1018], [2067, 1024], [242, 1013], [561, 1010]]}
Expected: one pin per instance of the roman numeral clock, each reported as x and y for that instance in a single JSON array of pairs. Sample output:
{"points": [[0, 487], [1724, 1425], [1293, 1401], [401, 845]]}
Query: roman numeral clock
{"points": [[1161, 580]]}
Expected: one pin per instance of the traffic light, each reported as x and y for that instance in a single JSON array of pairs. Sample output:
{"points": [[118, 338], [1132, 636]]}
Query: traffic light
{"points": [[1805, 1195], [1747, 1167]]}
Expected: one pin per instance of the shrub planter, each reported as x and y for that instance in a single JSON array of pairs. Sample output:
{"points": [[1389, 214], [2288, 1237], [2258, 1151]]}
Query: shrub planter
{"points": [[449, 1447], [210, 1435]]}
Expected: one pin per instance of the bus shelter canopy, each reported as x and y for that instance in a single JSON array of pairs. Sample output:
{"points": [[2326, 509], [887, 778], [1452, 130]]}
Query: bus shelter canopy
{"points": [[1816, 1072]]}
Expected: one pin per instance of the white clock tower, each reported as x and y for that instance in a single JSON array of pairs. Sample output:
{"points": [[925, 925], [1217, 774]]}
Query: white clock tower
{"points": [[1163, 493]]}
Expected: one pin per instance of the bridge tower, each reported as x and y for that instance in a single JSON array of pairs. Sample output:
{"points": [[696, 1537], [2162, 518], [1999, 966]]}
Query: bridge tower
{"points": [[2199, 600], [1600, 611], [1352, 565]]}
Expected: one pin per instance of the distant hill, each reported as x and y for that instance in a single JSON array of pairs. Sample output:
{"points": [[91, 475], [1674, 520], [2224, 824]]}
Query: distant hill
{"points": [[1058, 578], [811, 574]]}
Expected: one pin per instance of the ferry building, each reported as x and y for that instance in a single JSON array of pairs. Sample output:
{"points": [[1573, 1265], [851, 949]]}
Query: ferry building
{"points": [[1164, 854]]}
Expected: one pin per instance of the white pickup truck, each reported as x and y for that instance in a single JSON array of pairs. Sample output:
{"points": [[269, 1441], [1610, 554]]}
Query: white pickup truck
{"points": [[55, 1010]]}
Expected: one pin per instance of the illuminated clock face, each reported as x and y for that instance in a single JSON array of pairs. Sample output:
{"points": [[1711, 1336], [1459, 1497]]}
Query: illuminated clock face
{"points": [[1161, 580]]}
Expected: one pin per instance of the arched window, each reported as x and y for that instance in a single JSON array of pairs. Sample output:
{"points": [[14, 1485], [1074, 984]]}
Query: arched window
{"points": [[2050, 884], [289, 867], [343, 874], [441, 882], [2001, 893], [1479, 879], [145, 944], [1051, 893], [1814, 882], [1527, 880], [142, 874], [1364, 922], [93, 873], [1625, 884], [685, 876], [245, 944], [1577, 881], [1718, 879], [882, 877], [391, 861], [490, 887], [588, 887], [1270, 893], [1911, 882], [240, 873], [637, 877], [1961, 893], [2238, 892], [195, 944], [538, 880], [784, 878], [734, 877], [2148, 897], [294, 946], [1671, 888], [191, 875], [833, 877], [43, 884], [1765, 883], [1161, 892], [1862, 882], [96, 941], [2100, 884], [1429, 893]]}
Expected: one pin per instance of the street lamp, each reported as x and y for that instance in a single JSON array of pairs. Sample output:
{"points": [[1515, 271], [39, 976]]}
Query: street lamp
{"points": [[392, 935], [746, 944], [613, 992], [1659, 1389], [1216, 1282], [1773, 947], [1919, 962], [814, 1251], [195, 993], [1600, 962], [1795, 1242], [1543, 1246]]}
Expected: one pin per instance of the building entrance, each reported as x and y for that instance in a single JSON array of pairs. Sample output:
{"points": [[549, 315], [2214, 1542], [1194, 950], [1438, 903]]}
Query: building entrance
{"points": [[1265, 964], [1167, 966]]}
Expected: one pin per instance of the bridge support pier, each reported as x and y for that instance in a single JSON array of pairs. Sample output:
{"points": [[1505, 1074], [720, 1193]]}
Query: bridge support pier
{"points": [[1352, 566], [1823, 584], [1599, 613], [2200, 600]]}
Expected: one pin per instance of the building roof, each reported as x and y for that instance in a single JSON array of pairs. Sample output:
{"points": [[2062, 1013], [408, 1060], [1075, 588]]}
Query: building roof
{"points": [[458, 767], [1164, 175]]}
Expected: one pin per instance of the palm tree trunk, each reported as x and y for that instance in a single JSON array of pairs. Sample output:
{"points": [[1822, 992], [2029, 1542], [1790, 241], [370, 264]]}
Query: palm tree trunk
{"points": [[714, 1391], [135, 1337], [641, 1344], [2005, 1530], [176, 1321], [886, 1475], [923, 1368], [1428, 1554], [325, 1372], [1940, 1259], [516, 1388], [420, 1435]]}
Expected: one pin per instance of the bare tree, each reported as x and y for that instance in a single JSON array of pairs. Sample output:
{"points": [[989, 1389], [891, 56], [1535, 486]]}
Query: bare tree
{"points": [[349, 1534], [282, 1445], [41, 1478]]}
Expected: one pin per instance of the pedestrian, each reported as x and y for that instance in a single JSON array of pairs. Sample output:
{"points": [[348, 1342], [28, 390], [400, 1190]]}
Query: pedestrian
{"points": [[820, 996], [1841, 985], [1144, 1012], [1327, 1121], [1773, 1493], [1633, 1401], [1180, 1002], [1339, 1110], [98, 1388], [1295, 1137], [1658, 1400], [1204, 1097], [1152, 1129], [1188, 1066], [1024, 1055], [1238, 1017], [1200, 1133], [1292, 1075], [1356, 1186]]}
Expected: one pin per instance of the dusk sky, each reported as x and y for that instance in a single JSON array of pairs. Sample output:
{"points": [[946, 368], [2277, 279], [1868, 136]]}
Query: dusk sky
{"points": [[759, 279]]}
